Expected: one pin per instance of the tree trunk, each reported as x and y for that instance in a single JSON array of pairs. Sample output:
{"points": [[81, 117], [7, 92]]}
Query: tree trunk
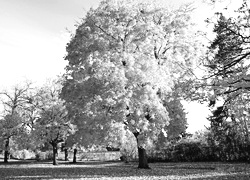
{"points": [[66, 154], [6, 151], [74, 157], [143, 159], [54, 153]]}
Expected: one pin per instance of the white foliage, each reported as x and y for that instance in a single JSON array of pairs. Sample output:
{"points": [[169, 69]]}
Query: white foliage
{"points": [[127, 53]]}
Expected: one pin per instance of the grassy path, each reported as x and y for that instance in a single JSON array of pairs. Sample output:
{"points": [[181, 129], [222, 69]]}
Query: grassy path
{"points": [[118, 170]]}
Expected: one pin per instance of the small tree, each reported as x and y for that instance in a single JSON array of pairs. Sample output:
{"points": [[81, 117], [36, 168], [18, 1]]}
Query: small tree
{"points": [[14, 102], [177, 124], [54, 125], [10, 126], [72, 142], [178, 121]]}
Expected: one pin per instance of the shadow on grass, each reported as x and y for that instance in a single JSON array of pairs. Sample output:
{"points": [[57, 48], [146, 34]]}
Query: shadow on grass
{"points": [[114, 170], [16, 162]]}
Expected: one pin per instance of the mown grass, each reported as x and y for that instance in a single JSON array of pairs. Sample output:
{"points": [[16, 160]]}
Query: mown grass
{"points": [[119, 170]]}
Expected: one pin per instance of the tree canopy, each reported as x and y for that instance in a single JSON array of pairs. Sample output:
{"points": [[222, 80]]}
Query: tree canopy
{"points": [[123, 60], [13, 123], [53, 125], [227, 80], [229, 55]]}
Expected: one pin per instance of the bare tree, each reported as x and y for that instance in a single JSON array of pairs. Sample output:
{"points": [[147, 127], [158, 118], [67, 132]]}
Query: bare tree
{"points": [[12, 123]]}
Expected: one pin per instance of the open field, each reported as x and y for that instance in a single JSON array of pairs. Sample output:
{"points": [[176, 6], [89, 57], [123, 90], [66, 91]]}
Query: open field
{"points": [[119, 170]]}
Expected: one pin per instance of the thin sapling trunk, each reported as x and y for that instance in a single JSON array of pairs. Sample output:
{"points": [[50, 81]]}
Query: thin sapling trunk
{"points": [[74, 157], [6, 151], [55, 153], [66, 154]]}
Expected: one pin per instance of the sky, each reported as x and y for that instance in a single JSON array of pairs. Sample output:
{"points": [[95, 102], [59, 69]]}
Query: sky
{"points": [[33, 38]]}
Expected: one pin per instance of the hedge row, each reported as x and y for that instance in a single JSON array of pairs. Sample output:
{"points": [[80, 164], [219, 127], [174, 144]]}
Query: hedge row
{"points": [[196, 151]]}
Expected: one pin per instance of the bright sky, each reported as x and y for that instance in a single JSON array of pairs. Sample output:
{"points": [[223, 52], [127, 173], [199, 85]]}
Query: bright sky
{"points": [[33, 37], [33, 40]]}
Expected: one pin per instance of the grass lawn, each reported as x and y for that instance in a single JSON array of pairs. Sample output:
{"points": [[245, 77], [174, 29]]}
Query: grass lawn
{"points": [[119, 170]]}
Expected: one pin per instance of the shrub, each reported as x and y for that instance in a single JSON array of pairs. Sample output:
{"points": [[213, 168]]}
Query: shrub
{"points": [[23, 154], [157, 156], [188, 151], [183, 151], [129, 154], [47, 155]]}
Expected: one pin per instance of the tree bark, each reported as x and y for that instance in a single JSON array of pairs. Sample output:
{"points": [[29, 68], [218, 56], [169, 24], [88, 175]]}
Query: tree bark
{"points": [[74, 157], [55, 153], [66, 154], [6, 151], [143, 159]]}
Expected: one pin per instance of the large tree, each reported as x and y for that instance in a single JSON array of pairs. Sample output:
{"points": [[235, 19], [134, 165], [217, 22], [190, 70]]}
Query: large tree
{"points": [[228, 74], [227, 62], [122, 62]]}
